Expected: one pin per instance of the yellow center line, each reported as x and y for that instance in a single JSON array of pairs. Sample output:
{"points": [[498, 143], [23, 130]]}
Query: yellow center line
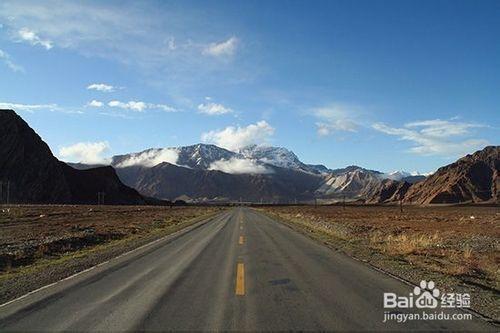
{"points": [[240, 279], [241, 240]]}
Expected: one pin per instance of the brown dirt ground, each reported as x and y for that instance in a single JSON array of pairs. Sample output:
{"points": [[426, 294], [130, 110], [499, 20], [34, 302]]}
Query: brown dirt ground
{"points": [[458, 247], [40, 244]]}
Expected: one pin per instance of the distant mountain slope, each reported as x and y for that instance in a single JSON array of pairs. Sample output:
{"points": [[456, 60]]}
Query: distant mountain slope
{"points": [[36, 176], [388, 191], [168, 181], [473, 178], [85, 184], [351, 182]]}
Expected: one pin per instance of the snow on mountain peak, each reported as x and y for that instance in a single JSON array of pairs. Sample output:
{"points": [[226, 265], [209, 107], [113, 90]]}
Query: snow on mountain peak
{"points": [[277, 156]]}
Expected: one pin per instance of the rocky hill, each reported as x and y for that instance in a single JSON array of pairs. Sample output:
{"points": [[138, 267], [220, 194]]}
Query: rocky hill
{"points": [[34, 175], [473, 178], [351, 182], [388, 191]]}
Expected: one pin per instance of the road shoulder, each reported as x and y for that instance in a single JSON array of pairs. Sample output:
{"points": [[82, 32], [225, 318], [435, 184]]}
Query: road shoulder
{"points": [[486, 301], [49, 271]]}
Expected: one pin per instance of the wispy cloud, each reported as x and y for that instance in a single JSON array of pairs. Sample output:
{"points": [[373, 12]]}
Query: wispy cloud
{"points": [[234, 138], [28, 107], [213, 109], [226, 48], [31, 37], [239, 166], [335, 118], [7, 60], [109, 30], [101, 87], [140, 106], [85, 152], [150, 158], [447, 138], [39, 107]]}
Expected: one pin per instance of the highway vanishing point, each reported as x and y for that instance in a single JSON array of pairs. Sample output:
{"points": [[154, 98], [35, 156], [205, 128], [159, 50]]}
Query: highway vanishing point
{"points": [[239, 270]]}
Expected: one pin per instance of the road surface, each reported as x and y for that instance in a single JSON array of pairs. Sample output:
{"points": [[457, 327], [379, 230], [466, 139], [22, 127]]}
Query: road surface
{"points": [[237, 271]]}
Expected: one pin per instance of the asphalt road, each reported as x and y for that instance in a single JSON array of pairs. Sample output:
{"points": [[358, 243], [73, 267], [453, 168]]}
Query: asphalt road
{"points": [[237, 271]]}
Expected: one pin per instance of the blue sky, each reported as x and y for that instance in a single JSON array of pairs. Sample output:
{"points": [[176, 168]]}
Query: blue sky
{"points": [[387, 85]]}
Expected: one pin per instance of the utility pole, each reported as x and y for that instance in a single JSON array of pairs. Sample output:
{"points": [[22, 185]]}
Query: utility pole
{"points": [[8, 192], [100, 198]]}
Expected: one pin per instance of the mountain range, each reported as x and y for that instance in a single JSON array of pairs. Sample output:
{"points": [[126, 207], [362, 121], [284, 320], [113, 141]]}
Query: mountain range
{"points": [[208, 173]]}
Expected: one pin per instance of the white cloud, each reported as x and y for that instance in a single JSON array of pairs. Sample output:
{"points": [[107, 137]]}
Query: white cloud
{"points": [[151, 158], [226, 48], [101, 87], [85, 152], [31, 37], [239, 166], [28, 107], [110, 30], [94, 103], [442, 128], [141, 106], [233, 138], [131, 105], [163, 107], [213, 109], [436, 137], [335, 118], [5, 57]]}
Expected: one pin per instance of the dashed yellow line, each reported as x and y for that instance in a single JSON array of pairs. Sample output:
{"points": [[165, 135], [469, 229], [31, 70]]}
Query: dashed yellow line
{"points": [[240, 279], [241, 240]]}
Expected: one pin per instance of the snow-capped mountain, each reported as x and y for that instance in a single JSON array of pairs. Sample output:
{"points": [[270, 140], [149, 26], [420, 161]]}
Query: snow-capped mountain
{"points": [[397, 175], [401, 175], [202, 156], [153, 168], [251, 159], [280, 157], [199, 156], [405, 176]]}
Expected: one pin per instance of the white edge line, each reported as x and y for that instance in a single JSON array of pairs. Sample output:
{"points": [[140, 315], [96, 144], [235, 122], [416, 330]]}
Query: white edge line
{"points": [[102, 263], [475, 313]]}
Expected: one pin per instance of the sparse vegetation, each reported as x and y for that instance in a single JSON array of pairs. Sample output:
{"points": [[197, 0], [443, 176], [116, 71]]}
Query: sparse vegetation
{"points": [[458, 246], [40, 244]]}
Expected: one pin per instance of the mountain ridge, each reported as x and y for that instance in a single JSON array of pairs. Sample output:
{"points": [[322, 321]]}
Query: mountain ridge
{"points": [[206, 172]]}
